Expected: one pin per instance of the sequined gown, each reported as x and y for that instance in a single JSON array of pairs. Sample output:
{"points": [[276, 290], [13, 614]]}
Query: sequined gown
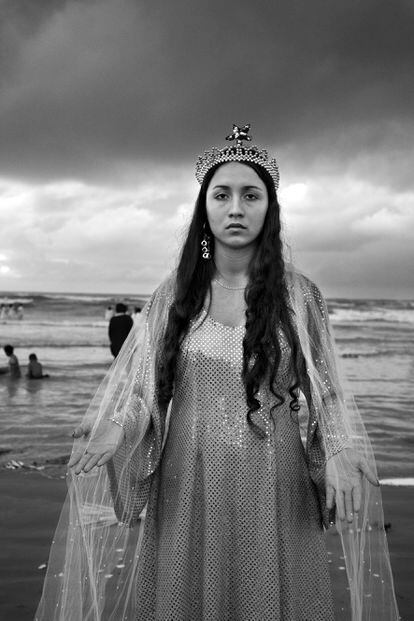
{"points": [[233, 529]]}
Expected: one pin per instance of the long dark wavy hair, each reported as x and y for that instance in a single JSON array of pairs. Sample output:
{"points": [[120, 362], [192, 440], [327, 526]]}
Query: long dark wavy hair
{"points": [[266, 300]]}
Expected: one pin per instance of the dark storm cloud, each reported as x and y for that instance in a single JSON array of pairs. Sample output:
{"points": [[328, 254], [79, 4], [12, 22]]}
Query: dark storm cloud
{"points": [[90, 86], [105, 104]]}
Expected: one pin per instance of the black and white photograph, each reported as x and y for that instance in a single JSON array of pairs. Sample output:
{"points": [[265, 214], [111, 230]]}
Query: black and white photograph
{"points": [[206, 310]]}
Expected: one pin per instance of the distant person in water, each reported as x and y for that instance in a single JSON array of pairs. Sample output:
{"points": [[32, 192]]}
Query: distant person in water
{"points": [[109, 313], [119, 328], [12, 311], [14, 367], [136, 315], [34, 368]]}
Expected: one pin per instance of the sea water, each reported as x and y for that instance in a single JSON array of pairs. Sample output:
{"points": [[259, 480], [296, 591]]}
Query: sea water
{"points": [[69, 334]]}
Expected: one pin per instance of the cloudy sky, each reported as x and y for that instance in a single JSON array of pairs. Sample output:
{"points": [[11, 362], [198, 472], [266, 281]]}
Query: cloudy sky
{"points": [[105, 105]]}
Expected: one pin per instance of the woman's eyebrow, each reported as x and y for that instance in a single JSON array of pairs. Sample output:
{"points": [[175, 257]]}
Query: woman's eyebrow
{"points": [[244, 187]]}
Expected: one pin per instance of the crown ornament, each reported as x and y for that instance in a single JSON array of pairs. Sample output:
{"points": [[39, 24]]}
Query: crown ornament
{"points": [[237, 152]]}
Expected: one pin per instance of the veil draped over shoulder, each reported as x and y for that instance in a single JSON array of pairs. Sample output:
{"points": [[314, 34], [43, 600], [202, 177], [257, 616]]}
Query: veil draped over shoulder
{"points": [[94, 558]]}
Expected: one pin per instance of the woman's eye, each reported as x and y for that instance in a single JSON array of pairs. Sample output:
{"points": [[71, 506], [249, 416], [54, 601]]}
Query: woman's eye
{"points": [[221, 196], [251, 197]]}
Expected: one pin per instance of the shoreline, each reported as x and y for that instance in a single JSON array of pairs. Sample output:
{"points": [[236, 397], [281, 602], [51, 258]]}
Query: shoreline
{"points": [[31, 504], [55, 467]]}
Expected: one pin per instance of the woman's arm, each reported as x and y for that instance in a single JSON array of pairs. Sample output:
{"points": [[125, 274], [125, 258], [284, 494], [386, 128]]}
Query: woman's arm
{"points": [[333, 450], [124, 426]]}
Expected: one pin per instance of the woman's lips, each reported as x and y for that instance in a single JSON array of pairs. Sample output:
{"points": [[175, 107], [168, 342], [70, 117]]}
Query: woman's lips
{"points": [[235, 226]]}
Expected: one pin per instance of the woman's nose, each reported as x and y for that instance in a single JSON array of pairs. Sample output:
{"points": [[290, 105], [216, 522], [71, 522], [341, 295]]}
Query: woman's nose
{"points": [[236, 208]]}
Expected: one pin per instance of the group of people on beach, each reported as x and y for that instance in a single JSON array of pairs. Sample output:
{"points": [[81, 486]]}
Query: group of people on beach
{"points": [[34, 367], [120, 307], [120, 324], [11, 311]]}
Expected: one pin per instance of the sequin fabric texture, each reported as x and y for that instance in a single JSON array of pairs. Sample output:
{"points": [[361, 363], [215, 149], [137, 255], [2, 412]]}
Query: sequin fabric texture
{"points": [[233, 529]]}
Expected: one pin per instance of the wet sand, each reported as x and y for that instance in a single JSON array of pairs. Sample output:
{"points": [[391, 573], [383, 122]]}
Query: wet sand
{"points": [[30, 507]]}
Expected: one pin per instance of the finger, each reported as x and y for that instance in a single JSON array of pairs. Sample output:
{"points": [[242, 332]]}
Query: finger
{"points": [[365, 469], [105, 457], [349, 512], [340, 505], [356, 496], [81, 430], [330, 495], [93, 460], [74, 458], [81, 463]]}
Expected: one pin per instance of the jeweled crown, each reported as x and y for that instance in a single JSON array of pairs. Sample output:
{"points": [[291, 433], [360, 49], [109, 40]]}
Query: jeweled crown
{"points": [[237, 153]]}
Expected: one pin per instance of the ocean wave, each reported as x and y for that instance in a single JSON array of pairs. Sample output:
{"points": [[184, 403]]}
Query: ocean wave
{"points": [[66, 345], [100, 299], [16, 300], [367, 303], [398, 482], [339, 315], [371, 354], [93, 299], [76, 323]]}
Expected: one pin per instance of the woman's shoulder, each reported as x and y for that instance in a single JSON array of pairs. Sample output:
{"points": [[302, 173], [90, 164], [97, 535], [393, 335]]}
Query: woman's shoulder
{"points": [[154, 314], [166, 288], [163, 295], [295, 279], [303, 290]]}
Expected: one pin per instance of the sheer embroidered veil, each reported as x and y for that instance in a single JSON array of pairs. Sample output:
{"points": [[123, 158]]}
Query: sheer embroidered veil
{"points": [[95, 552]]}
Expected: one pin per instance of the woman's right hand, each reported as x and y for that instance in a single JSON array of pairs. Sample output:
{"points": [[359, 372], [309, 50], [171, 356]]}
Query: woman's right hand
{"points": [[106, 440]]}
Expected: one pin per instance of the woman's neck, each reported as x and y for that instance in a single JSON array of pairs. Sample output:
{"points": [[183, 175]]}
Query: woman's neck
{"points": [[232, 264]]}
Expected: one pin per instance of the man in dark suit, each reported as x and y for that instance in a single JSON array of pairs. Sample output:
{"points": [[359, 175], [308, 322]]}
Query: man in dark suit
{"points": [[119, 327]]}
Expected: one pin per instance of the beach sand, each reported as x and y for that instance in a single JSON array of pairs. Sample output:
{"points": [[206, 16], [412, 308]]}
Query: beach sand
{"points": [[30, 506]]}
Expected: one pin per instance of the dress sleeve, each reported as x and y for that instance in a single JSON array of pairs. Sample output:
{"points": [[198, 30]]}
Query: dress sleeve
{"points": [[321, 385], [138, 412], [328, 429]]}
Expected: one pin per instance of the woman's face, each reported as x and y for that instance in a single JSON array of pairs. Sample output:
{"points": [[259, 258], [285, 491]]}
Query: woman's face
{"points": [[236, 204]]}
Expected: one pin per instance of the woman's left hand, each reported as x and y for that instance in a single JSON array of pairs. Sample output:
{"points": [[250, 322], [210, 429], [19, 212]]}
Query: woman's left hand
{"points": [[96, 451], [344, 472]]}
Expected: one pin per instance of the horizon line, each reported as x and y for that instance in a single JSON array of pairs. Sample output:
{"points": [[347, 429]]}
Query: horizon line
{"points": [[137, 295]]}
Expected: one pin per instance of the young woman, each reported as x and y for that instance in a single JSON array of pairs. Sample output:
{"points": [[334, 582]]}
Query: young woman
{"points": [[198, 422]]}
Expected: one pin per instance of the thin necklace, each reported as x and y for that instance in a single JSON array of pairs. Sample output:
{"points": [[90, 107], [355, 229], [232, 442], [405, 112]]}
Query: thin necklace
{"points": [[227, 286]]}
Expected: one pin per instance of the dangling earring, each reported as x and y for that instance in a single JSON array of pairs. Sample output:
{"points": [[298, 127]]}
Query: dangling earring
{"points": [[205, 245]]}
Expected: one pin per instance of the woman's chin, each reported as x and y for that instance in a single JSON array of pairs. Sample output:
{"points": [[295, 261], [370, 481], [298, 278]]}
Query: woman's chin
{"points": [[240, 244]]}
